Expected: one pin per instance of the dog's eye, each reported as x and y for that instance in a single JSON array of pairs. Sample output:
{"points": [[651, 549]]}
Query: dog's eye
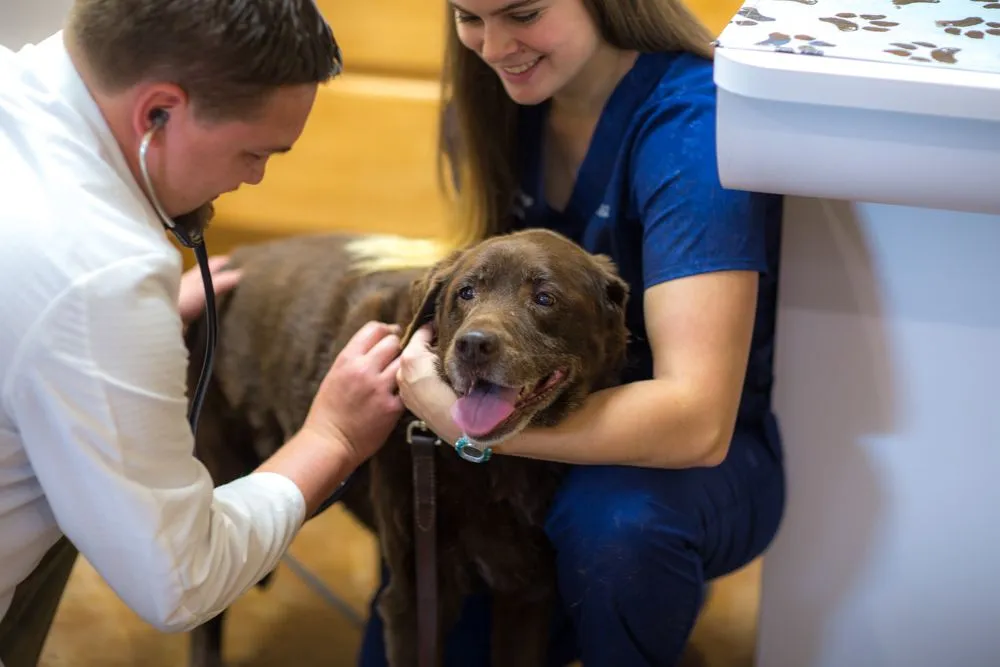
{"points": [[544, 299], [466, 293]]}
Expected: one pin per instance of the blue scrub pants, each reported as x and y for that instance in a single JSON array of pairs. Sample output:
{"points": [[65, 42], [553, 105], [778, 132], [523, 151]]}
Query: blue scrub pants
{"points": [[635, 548]]}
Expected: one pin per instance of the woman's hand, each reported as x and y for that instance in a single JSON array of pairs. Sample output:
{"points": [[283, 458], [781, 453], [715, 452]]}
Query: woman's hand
{"points": [[422, 390], [191, 297]]}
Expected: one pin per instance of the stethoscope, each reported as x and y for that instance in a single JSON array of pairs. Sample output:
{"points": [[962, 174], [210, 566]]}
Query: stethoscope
{"points": [[196, 242]]}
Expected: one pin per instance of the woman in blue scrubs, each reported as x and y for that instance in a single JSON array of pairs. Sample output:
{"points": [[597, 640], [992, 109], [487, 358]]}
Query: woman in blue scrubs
{"points": [[611, 107]]}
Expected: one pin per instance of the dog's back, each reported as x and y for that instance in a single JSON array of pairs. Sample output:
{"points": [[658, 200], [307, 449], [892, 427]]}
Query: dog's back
{"points": [[295, 308]]}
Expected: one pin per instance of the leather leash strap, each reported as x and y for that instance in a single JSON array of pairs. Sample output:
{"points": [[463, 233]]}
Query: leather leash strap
{"points": [[422, 443]]}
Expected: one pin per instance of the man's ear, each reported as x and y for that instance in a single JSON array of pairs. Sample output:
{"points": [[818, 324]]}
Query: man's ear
{"points": [[425, 292]]}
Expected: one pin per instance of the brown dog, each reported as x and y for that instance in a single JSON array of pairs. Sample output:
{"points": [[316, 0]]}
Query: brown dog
{"points": [[527, 324]]}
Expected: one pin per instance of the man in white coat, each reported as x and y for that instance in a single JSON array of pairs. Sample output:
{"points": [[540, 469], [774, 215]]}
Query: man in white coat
{"points": [[95, 446]]}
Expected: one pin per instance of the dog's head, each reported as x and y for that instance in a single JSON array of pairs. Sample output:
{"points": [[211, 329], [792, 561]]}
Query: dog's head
{"points": [[526, 325]]}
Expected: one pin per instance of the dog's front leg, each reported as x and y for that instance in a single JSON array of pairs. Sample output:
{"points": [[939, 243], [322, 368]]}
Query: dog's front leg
{"points": [[397, 607], [392, 506], [521, 627]]}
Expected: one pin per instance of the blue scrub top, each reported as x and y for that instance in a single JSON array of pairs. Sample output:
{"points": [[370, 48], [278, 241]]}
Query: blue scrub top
{"points": [[648, 195]]}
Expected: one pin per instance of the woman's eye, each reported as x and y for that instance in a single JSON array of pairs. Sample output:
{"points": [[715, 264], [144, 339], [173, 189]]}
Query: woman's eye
{"points": [[466, 293], [544, 299], [525, 17], [520, 17]]}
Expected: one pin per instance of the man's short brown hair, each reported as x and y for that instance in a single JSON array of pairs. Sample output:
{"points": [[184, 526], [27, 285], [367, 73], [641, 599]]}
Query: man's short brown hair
{"points": [[227, 55]]}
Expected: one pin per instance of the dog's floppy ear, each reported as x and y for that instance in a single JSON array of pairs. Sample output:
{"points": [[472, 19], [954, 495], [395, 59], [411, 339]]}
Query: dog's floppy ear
{"points": [[425, 292], [616, 290]]}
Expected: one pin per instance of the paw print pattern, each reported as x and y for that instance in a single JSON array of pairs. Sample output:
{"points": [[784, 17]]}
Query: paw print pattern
{"points": [[849, 22], [803, 44], [915, 51], [751, 17], [989, 4], [981, 28]]}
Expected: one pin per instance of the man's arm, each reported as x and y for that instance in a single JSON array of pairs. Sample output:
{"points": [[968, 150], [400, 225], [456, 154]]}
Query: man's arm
{"points": [[98, 394]]}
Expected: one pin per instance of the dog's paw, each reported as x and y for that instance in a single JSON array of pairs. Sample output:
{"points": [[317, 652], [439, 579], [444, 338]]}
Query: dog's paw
{"points": [[751, 17], [924, 52], [972, 27], [850, 22], [804, 44]]}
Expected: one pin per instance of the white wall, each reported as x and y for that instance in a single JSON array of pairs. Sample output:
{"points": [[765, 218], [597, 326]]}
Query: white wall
{"points": [[888, 362], [23, 21]]}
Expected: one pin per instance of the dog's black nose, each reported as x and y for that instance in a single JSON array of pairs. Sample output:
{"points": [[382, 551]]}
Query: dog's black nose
{"points": [[477, 347]]}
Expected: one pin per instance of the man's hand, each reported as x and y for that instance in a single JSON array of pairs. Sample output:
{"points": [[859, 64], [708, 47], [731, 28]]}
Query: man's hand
{"points": [[191, 298], [357, 405], [350, 419]]}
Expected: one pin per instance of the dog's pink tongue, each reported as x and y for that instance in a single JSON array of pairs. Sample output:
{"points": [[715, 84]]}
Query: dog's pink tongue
{"points": [[482, 409]]}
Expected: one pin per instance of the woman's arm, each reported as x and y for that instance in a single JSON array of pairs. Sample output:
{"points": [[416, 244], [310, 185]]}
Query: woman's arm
{"points": [[702, 250], [699, 329]]}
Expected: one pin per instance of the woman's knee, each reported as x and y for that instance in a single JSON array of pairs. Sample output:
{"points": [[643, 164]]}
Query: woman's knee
{"points": [[613, 527], [630, 573], [678, 525]]}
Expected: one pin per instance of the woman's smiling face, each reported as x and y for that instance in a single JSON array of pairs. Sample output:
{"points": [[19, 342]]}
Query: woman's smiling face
{"points": [[536, 47]]}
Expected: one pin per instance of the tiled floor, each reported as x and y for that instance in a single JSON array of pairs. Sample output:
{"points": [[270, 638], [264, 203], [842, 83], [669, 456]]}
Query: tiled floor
{"points": [[289, 624]]}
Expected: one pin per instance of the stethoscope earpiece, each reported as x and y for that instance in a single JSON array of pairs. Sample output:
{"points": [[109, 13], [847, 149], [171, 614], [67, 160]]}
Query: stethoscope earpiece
{"points": [[159, 118]]}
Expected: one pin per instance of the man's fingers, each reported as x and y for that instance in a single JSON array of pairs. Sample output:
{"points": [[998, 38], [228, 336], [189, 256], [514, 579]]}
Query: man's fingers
{"points": [[366, 337], [216, 262], [397, 404], [226, 280], [391, 373], [385, 351]]}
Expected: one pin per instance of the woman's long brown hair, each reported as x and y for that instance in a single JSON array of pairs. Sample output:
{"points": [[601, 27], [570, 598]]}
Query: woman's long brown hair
{"points": [[477, 133]]}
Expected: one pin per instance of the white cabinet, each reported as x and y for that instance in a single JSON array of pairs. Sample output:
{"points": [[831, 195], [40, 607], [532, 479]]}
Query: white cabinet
{"points": [[888, 339]]}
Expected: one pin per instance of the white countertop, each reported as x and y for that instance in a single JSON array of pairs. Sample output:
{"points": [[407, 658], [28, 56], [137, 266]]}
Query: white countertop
{"points": [[860, 92], [953, 34]]}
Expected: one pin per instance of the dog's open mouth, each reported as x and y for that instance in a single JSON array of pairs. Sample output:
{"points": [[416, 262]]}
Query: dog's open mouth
{"points": [[486, 406]]}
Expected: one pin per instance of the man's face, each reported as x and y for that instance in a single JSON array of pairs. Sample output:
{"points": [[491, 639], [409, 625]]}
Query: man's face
{"points": [[200, 160]]}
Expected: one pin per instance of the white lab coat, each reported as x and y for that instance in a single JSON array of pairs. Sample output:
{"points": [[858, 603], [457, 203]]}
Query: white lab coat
{"points": [[94, 439]]}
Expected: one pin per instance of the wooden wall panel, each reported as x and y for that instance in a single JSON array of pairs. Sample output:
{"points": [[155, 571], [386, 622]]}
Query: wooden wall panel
{"points": [[407, 36], [366, 160], [398, 37], [715, 14]]}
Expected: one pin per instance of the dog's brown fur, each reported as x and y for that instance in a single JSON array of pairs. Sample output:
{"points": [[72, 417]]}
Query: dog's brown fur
{"points": [[298, 304]]}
